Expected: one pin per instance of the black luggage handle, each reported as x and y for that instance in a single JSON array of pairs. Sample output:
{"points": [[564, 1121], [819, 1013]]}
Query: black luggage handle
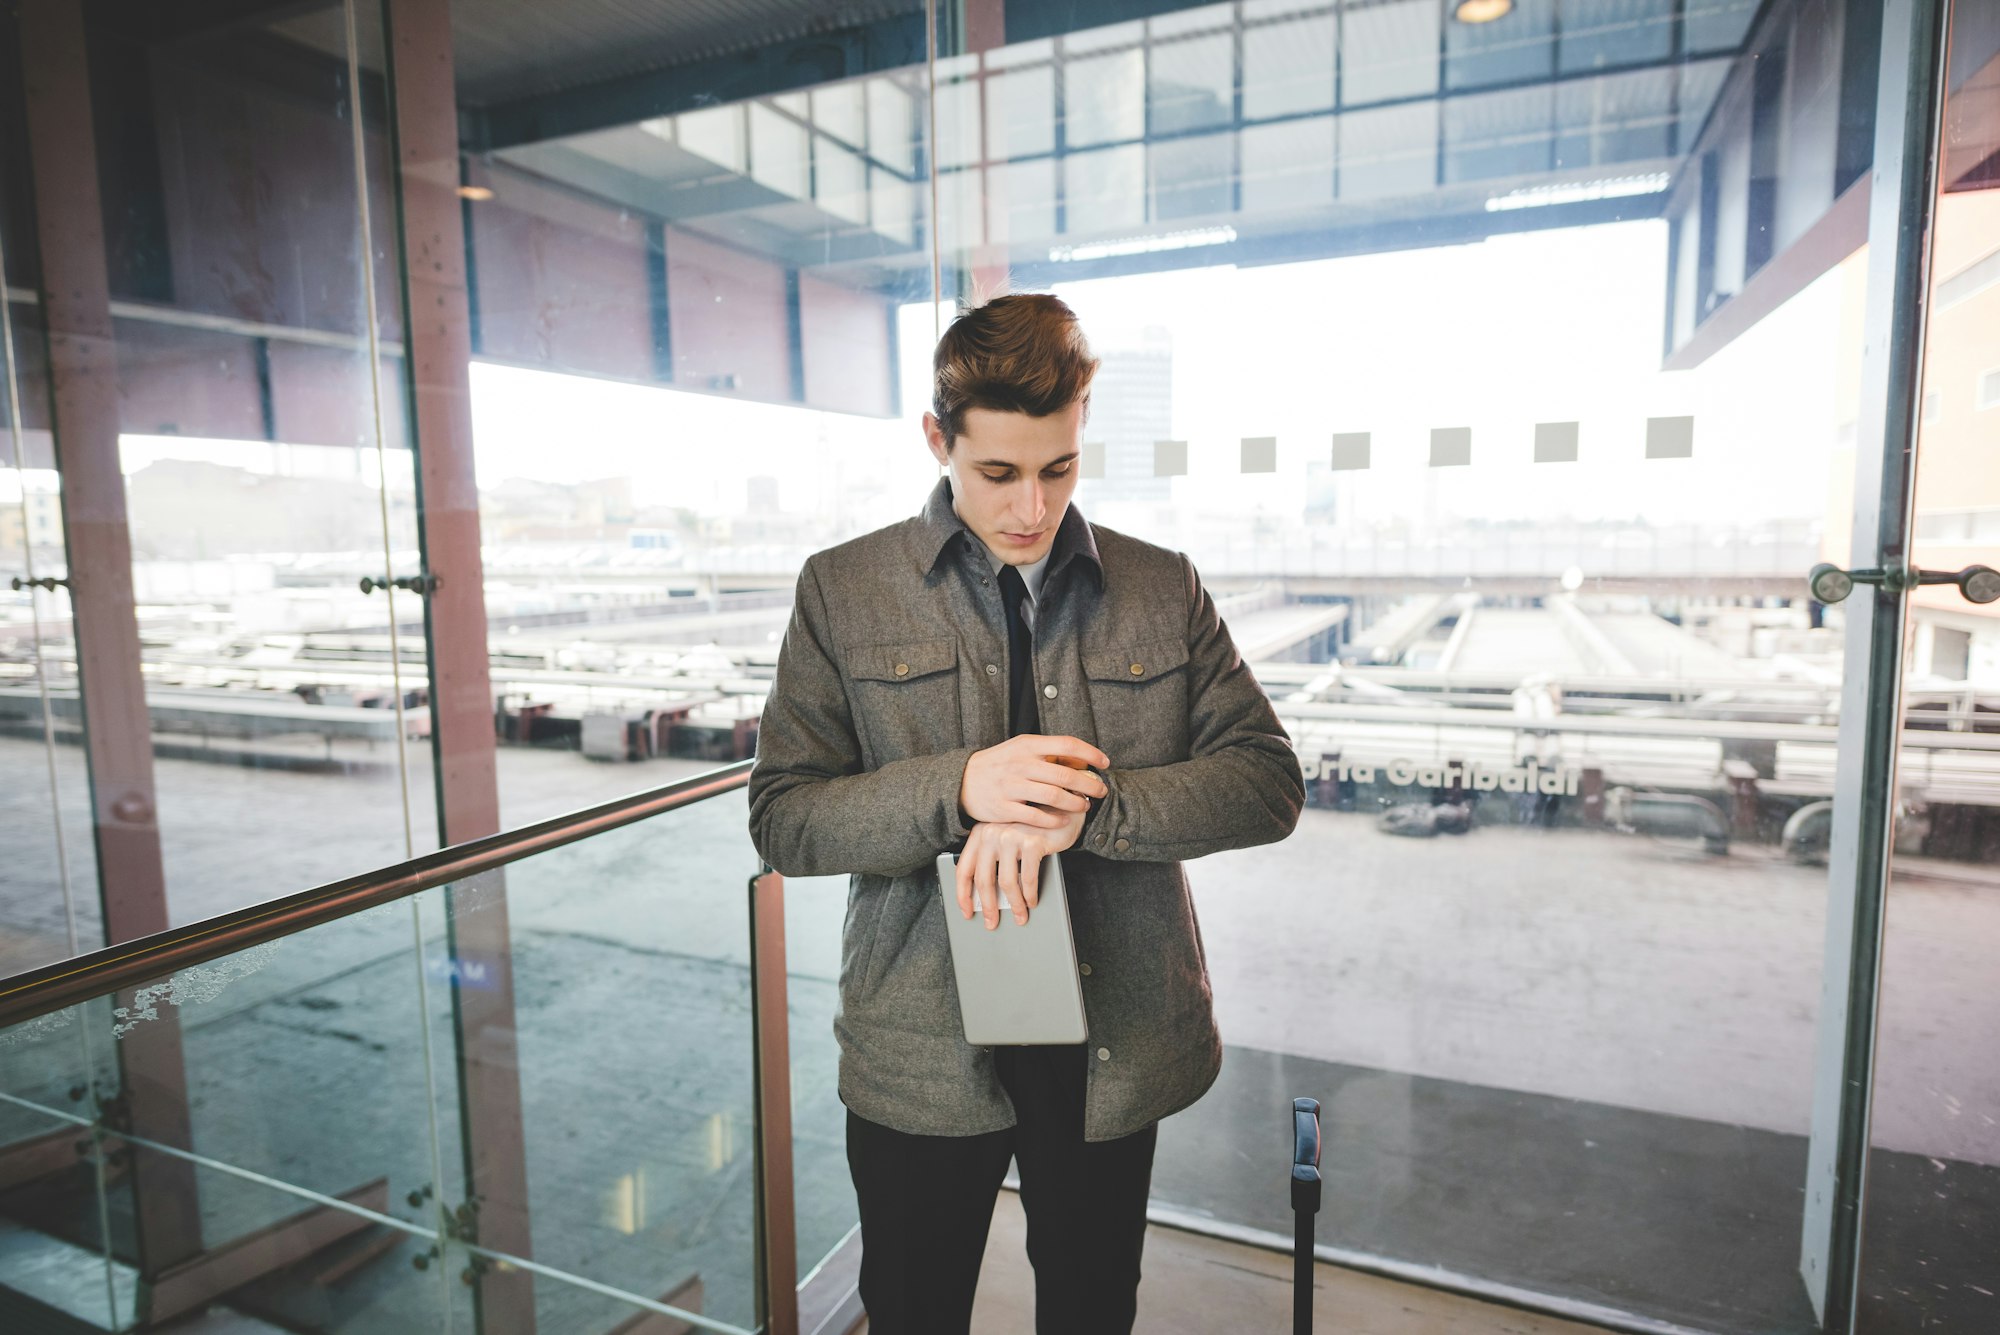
{"points": [[1305, 1155], [1305, 1204]]}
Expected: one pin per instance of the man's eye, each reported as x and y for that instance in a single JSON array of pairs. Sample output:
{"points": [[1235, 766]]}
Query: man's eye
{"points": [[1057, 472], [994, 477]]}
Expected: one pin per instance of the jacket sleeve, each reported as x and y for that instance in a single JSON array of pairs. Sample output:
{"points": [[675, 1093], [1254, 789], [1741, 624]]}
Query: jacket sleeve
{"points": [[1241, 784], [813, 811]]}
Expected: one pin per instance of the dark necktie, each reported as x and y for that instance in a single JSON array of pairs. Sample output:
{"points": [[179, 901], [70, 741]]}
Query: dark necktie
{"points": [[1021, 713]]}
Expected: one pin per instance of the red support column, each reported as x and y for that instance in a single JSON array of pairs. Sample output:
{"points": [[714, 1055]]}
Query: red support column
{"points": [[438, 338], [83, 381]]}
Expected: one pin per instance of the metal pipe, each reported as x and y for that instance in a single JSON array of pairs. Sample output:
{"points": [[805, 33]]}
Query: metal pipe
{"points": [[144, 959]]}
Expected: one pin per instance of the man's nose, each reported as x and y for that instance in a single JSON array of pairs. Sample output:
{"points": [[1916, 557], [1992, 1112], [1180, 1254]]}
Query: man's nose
{"points": [[1035, 505]]}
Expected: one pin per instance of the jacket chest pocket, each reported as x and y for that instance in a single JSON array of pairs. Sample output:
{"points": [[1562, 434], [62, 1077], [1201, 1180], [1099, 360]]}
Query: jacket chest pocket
{"points": [[905, 698], [1139, 700]]}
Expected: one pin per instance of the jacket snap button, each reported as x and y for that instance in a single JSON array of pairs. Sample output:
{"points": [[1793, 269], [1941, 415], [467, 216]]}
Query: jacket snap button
{"points": [[1138, 669], [1122, 845], [1100, 839], [992, 670], [1085, 968], [1049, 691], [902, 669], [1104, 1054]]}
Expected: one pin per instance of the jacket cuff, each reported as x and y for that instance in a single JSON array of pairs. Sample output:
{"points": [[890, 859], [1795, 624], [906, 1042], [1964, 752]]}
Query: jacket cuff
{"points": [[1106, 830]]}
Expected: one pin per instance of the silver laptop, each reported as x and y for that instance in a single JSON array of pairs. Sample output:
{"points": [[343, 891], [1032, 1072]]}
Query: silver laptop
{"points": [[1017, 984]]}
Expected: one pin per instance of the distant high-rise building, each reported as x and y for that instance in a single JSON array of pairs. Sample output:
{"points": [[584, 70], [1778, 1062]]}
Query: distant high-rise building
{"points": [[1131, 409]]}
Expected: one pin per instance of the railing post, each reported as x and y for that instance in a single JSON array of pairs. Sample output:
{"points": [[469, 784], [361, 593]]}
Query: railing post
{"points": [[770, 1030]]}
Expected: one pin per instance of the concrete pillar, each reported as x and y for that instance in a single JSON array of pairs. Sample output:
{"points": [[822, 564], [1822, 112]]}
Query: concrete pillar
{"points": [[84, 402], [438, 337]]}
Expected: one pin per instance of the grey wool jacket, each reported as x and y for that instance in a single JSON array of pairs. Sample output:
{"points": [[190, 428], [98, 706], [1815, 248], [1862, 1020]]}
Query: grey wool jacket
{"points": [[892, 673]]}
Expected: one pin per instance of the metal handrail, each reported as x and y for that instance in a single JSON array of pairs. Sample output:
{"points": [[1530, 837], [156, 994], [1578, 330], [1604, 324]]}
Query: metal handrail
{"points": [[25, 996]]}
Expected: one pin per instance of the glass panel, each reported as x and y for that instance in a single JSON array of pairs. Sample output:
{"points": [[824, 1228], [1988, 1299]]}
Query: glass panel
{"points": [[1519, 46], [815, 908], [1023, 122], [1543, 646], [1388, 150], [1288, 165], [64, 1255], [1618, 118], [224, 1099], [645, 288], [252, 441], [1498, 134], [1103, 98], [1193, 177], [1105, 189], [1192, 83], [1388, 51], [1933, 1186], [640, 1166], [1596, 33], [238, 1104], [1288, 67], [48, 900]]}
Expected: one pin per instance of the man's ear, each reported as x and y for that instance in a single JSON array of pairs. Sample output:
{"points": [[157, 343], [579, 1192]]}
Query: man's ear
{"points": [[934, 437]]}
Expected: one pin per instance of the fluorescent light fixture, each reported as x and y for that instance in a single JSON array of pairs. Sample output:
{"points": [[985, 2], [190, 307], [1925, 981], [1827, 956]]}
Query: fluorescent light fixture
{"points": [[1577, 192], [1482, 11], [476, 193], [1145, 245]]}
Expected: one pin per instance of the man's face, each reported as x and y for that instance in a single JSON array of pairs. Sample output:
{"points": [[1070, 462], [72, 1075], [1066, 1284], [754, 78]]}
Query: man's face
{"points": [[1012, 476]]}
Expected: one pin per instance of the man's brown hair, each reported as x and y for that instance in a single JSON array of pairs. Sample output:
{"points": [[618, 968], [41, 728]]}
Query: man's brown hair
{"points": [[1021, 353]]}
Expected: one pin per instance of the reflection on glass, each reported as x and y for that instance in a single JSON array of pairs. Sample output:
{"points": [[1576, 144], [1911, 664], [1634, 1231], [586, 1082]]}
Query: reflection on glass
{"points": [[1388, 51], [1103, 98], [1288, 67]]}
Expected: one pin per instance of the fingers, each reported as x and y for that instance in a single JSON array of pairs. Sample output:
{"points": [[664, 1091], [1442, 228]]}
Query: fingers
{"points": [[1010, 882], [965, 865], [1031, 881], [1080, 781], [988, 885], [1073, 748], [1062, 799], [1026, 813]]}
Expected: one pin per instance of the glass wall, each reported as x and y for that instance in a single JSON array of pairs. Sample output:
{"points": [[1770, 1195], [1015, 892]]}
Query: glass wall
{"points": [[1382, 340], [1500, 379], [313, 1163], [1933, 1186], [224, 360], [48, 901]]}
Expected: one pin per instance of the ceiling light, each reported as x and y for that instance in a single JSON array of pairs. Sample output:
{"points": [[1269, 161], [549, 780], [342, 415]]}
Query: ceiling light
{"points": [[1145, 245], [474, 192], [1482, 11], [1578, 192]]}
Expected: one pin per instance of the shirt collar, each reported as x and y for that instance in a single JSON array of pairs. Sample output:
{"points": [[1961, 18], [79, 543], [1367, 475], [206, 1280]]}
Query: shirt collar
{"points": [[938, 525], [1031, 575]]}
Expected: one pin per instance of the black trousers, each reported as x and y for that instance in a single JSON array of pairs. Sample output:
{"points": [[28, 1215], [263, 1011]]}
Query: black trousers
{"points": [[927, 1201]]}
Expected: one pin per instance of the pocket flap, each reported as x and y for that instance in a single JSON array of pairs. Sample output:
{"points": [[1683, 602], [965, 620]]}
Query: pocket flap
{"points": [[1139, 663], [901, 662]]}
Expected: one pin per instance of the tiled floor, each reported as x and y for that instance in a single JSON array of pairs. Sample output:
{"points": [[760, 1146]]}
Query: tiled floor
{"points": [[1202, 1286]]}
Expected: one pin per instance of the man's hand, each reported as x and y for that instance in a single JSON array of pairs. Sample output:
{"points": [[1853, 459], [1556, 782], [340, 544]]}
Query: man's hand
{"points": [[1032, 780], [1006, 858]]}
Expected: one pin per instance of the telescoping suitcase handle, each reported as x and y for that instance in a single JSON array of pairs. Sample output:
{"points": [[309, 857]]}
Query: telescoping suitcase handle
{"points": [[1305, 1204]]}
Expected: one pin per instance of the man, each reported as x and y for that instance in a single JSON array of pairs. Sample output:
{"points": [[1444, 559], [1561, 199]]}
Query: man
{"points": [[999, 674]]}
